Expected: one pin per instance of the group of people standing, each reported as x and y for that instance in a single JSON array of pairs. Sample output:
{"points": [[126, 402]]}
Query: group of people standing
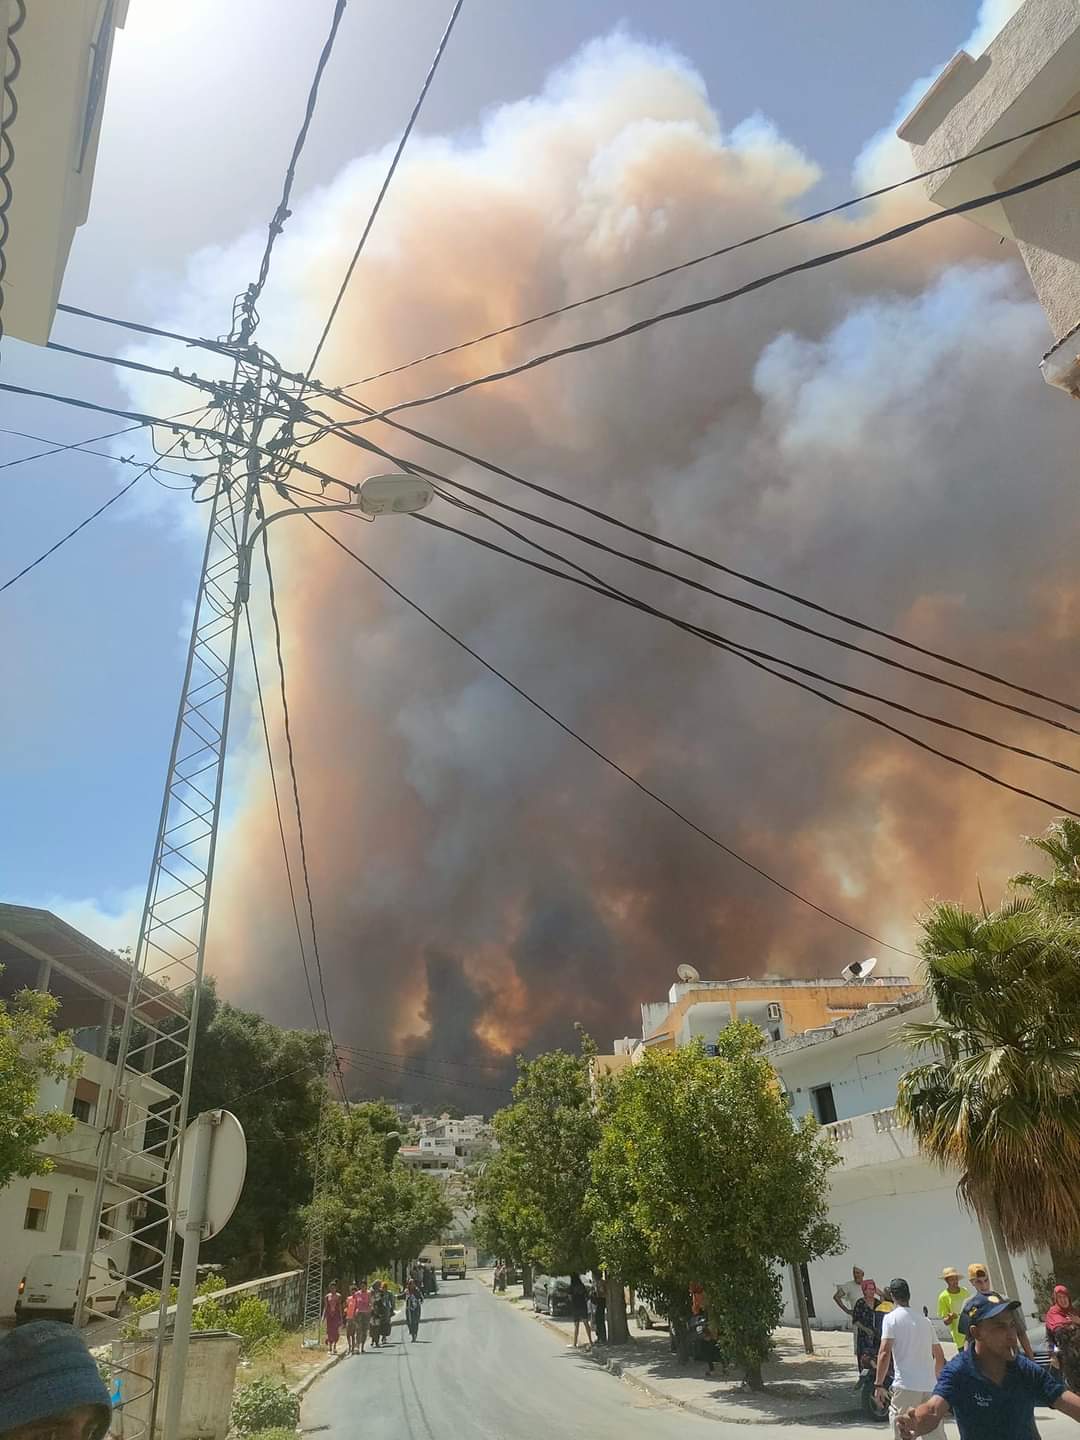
{"points": [[588, 1308], [993, 1384]]}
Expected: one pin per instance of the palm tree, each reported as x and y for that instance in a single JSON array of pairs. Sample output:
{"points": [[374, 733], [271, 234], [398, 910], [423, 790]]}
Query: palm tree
{"points": [[1059, 892], [999, 1101]]}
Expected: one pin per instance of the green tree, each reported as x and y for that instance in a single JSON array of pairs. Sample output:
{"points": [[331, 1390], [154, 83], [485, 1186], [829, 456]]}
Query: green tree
{"points": [[30, 1052], [1056, 894], [999, 1099], [701, 1175]]}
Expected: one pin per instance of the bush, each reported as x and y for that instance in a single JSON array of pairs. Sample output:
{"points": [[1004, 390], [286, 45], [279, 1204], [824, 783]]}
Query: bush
{"points": [[207, 1316], [277, 1434], [264, 1405], [252, 1320]]}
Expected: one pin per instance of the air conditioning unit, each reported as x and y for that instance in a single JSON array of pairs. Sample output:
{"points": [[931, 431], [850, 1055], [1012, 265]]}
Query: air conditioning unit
{"points": [[775, 1012]]}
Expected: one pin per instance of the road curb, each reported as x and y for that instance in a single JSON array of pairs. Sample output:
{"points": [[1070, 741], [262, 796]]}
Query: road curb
{"points": [[303, 1386], [616, 1367]]}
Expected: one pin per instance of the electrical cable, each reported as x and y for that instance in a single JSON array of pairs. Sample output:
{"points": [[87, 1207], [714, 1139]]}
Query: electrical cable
{"points": [[276, 1081], [712, 254], [581, 347], [433, 475], [744, 654], [600, 755], [280, 819], [430, 1059], [117, 495], [385, 185], [296, 792], [653, 539], [282, 213], [82, 447], [725, 642], [10, 65], [212, 387]]}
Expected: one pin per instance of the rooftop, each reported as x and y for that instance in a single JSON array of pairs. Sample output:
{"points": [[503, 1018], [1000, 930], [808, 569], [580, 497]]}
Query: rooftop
{"points": [[872, 1015]]}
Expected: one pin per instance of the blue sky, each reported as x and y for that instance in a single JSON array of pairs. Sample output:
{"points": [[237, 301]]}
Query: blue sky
{"points": [[201, 109]]}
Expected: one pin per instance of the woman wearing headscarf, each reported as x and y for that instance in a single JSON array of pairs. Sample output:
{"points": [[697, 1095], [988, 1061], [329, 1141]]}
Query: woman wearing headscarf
{"points": [[865, 1326], [1063, 1332]]}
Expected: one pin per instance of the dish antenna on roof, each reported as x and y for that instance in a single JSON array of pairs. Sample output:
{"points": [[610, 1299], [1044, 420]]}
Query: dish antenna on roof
{"points": [[687, 974], [859, 969]]}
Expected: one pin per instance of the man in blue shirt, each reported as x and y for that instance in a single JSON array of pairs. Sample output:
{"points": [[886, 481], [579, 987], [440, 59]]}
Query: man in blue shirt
{"points": [[990, 1389]]}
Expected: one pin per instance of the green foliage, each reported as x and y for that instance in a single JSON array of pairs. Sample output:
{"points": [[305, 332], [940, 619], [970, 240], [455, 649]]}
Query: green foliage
{"points": [[30, 1052], [999, 1096], [374, 1210], [280, 1433], [252, 1319], [701, 1175], [209, 1315], [264, 1405], [530, 1196]]}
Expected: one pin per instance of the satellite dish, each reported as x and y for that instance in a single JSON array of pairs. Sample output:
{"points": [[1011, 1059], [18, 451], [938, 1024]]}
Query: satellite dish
{"points": [[687, 973], [859, 969]]}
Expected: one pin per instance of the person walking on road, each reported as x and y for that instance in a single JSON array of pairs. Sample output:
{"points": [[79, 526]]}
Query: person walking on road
{"points": [[951, 1302], [383, 1313], [413, 1303], [598, 1302], [363, 1314], [909, 1345], [579, 1309], [333, 1315], [350, 1320], [990, 1389]]}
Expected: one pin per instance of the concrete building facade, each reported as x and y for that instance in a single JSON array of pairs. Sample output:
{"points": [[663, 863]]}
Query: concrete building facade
{"points": [[51, 1211], [1028, 75]]}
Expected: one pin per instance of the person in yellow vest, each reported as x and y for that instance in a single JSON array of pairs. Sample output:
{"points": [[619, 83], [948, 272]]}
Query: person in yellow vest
{"points": [[951, 1302]]}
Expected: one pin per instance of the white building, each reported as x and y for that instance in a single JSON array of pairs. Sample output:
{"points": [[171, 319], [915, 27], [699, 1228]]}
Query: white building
{"points": [[1029, 74], [64, 48], [52, 1211], [899, 1214]]}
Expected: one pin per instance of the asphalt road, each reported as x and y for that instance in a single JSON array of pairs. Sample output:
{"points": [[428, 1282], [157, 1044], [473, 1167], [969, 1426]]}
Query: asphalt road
{"points": [[482, 1371]]}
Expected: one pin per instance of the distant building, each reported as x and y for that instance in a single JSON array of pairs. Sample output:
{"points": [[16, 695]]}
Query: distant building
{"points": [[64, 49], [899, 1214], [700, 1009], [1028, 74], [39, 951]]}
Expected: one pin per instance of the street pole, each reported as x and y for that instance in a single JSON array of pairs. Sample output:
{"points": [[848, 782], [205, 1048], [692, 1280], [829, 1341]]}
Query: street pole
{"points": [[191, 1225], [804, 1313]]}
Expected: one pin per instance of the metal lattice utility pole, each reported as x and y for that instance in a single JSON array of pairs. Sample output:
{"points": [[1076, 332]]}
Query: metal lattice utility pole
{"points": [[133, 1216], [313, 1270]]}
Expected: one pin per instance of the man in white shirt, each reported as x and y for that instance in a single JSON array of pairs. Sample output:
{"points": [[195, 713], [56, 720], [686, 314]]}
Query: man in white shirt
{"points": [[909, 1344]]}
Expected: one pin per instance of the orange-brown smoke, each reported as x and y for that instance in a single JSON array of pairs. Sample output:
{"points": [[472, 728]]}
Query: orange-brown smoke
{"points": [[875, 435]]}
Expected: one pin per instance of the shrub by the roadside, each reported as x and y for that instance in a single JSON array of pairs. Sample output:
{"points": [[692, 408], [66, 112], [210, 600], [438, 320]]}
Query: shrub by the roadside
{"points": [[280, 1433], [259, 1330], [264, 1406]]}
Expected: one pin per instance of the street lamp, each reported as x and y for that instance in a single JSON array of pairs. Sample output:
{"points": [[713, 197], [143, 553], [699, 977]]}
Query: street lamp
{"points": [[377, 495]]}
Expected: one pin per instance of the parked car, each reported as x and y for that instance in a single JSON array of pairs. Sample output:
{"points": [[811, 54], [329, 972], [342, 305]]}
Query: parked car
{"points": [[49, 1289], [551, 1294], [646, 1317]]}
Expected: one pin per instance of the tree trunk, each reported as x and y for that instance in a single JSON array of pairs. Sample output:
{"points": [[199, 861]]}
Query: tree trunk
{"points": [[526, 1281], [680, 1338], [1006, 1278], [617, 1328], [754, 1380], [804, 1314]]}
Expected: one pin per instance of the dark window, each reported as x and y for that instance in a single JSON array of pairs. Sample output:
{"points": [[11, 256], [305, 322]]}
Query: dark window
{"points": [[821, 1097]]}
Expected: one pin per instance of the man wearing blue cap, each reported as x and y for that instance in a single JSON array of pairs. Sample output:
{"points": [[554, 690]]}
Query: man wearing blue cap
{"points": [[990, 1389], [50, 1386]]}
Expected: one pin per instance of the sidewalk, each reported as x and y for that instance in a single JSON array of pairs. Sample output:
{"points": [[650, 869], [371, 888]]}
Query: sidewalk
{"points": [[799, 1387]]}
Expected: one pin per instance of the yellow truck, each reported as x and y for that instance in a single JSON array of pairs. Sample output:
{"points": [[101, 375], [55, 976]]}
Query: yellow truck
{"points": [[452, 1261]]}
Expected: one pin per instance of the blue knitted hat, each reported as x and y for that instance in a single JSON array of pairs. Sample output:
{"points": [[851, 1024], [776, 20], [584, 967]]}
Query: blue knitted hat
{"points": [[46, 1369]]}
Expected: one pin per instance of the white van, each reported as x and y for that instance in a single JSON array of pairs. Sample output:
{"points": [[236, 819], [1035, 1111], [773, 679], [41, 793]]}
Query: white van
{"points": [[49, 1289]]}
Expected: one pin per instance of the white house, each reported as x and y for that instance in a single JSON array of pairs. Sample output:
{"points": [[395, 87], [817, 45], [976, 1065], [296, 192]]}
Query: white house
{"points": [[52, 1211], [1028, 75], [64, 48], [899, 1214]]}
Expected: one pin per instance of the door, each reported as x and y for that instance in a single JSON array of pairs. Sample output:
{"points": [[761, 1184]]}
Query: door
{"points": [[69, 1235], [824, 1103]]}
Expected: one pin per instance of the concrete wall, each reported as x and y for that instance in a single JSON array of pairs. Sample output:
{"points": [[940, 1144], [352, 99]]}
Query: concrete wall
{"points": [[862, 1066]]}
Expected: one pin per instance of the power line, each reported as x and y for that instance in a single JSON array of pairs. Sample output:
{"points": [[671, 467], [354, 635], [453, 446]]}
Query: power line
{"points": [[712, 254], [57, 447], [296, 793], [692, 307], [117, 495], [653, 539], [600, 755], [430, 1059], [10, 65], [744, 653], [280, 820], [281, 214], [83, 448], [791, 623], [212, 387], [385, 185]]}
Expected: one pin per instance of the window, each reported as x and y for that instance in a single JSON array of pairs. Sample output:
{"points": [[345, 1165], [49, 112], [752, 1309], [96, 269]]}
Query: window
{"points": [[84, 1106], [821, 1097], [37, 1210]]}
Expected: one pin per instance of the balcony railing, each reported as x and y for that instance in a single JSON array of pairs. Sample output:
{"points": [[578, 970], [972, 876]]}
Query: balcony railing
{"points": [[872, 1139]]}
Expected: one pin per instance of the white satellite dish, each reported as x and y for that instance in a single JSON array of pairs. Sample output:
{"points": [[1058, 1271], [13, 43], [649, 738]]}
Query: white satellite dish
{"points": [[859, 969], [687, 974]]}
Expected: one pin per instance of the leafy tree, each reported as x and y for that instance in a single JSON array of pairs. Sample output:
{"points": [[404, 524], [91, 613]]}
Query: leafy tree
{"points": [[701, 1175], [999, 1101], [30, 1052], [1056, 894]]}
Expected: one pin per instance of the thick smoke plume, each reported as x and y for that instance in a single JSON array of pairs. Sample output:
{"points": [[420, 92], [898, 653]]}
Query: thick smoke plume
{"points": [[875, 435]]}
